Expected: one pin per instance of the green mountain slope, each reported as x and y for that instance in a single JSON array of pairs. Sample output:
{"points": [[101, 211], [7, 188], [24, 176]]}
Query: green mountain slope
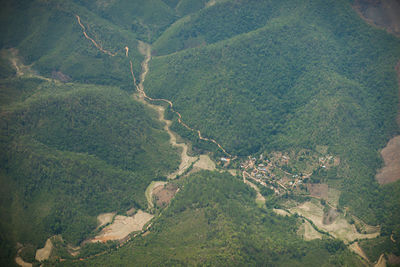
{"points": [[255, 75], [316, 77], [71, 152], [214, 221], [48, 36]]}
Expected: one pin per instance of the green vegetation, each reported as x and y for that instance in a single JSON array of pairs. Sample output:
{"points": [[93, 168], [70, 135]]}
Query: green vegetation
{"points": [[375, 247], [215, 221], [48, 35], [71, 152], [294, 78], [255, 75]]}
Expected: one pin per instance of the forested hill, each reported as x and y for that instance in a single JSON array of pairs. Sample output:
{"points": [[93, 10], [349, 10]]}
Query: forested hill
{"points": [[258, 76], [286, 75]]}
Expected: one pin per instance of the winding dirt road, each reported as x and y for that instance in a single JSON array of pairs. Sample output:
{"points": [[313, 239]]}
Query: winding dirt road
{"points": [[91, 39], [143, 47], [140, 88]]}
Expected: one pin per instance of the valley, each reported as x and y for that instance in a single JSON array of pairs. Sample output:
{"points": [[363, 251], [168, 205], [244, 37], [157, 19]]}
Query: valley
{"points": [[250, 137]]}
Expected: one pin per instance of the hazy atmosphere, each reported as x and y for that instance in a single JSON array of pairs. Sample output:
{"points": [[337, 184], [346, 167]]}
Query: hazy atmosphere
{"points": [[200, 132]]}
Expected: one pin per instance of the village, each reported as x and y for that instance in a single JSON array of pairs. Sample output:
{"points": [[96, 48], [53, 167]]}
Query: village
{"points": [[283, 172]]}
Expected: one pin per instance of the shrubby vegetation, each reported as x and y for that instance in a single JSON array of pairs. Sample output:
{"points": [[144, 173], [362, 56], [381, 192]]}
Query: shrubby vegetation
{"points": [[215, 221], [255, 75], [48, 35], [71, 152], [292, 79]]}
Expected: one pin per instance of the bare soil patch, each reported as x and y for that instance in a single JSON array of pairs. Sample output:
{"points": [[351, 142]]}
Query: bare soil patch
{"points": [[123, 226], [205, 163], [149, 192], [308, 232], [44, 253], [339, 228], [391, 156], [105, 218], [383, 14], [394, 260], [281, 212], [318, 190], [164, 193], [330, 216], [357, 249]]}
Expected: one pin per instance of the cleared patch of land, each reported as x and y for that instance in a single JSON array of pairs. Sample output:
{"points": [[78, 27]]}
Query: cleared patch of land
{"points": [[391, 156], [394, 260], [123, 226], [164, 193], [383, 14], [308, 232], [149, 192], [204, 163], [356, 249], [105, 218], [21, 69], [338, 227], [318, 190], [281, 212], [44, 253]]}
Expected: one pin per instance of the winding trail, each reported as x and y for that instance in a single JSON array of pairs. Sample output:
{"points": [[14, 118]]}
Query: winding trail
{"points": [[140, 88], [91, 39], [145, 49]]}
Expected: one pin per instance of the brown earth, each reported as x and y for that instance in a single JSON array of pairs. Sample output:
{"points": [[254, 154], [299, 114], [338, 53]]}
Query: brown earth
{"points": [[385, 14], [308, 232], [330, 216], [381, 13], [104, 219], [281, 212], [381, 262], [62, 77], [357, 249], [339, 228], [394, 260], [123, 226], [164, 193], [318, 190], [44, 253], [21, 262], [391, 156]]}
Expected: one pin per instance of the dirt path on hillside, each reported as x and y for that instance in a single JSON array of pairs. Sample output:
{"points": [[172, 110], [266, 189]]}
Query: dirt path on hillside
{"points": [[186, 160], [22, 263], [357, 249], [92, 40], [381, 262], [22, 70], [145, 49], [259, 198]]}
